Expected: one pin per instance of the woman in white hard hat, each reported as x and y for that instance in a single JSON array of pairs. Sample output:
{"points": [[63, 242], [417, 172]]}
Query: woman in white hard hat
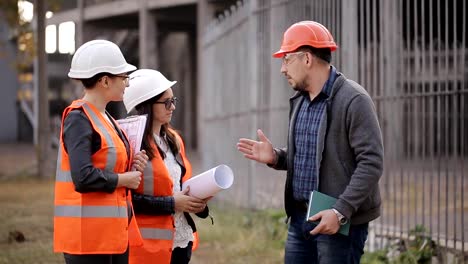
{"points": [[161, 208], [93, 210]]}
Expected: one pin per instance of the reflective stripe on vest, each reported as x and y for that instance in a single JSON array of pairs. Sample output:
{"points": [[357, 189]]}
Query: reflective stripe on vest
{"points": [[111, 154], [156, 233], [91, 211], [148, 180]]}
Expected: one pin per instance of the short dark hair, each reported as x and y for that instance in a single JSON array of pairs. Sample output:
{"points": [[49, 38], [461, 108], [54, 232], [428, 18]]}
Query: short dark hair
{"points": [[91, 82], [321, 53]]}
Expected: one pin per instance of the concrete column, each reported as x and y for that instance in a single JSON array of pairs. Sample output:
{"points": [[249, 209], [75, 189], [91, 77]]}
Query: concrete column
{"points": [[391, 43], [349, 40], [41, 94], [254, 77], [79, 38], [203, 16], [148, 32]]}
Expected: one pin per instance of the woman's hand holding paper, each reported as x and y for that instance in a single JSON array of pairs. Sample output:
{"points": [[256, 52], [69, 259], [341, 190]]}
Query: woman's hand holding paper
{"points": [[186, 203]]}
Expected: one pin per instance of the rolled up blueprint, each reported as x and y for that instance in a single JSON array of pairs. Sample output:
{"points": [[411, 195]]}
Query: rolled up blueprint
{"points": [[210, 182]]}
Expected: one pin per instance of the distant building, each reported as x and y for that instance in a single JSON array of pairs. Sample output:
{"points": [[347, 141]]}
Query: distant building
{"points": [[8, 100]]}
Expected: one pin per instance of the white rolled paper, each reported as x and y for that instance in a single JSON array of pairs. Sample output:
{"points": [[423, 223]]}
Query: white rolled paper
{"points": [[210, 182]]}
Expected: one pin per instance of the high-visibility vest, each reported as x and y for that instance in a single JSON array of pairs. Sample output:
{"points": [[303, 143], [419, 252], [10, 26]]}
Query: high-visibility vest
{"points": [[158, 231], [94, 222]]}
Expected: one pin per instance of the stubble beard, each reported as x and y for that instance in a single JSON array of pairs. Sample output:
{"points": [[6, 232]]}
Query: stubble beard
{"points": [[300, 86]]}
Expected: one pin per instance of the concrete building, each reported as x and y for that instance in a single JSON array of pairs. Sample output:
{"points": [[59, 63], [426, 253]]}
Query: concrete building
{"points": [[8, 101], [153, 34]]}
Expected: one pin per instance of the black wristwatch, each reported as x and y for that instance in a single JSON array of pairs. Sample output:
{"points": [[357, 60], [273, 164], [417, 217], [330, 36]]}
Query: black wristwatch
{"points": [[342, 220]]}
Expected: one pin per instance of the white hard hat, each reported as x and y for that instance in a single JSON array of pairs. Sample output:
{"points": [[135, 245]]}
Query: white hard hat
{"points": [[98, 56], [144, 84]]}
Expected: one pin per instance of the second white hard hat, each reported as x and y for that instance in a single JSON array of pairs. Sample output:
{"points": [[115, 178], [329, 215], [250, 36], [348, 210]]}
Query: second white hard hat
{"points": [[98, 56], [144, 84]]}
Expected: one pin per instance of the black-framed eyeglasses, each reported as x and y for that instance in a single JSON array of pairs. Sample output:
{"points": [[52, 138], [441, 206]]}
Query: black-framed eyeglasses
{"points": [[168, 102]]}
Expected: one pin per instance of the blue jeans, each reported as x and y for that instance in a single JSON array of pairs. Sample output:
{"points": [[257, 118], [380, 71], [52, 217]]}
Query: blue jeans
{"points": [[301, 247]]}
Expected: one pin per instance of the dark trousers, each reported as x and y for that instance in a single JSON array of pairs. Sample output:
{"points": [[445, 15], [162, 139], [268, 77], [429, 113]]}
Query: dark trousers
{"points": [[182, 255], [97, 258], [301, 247]]}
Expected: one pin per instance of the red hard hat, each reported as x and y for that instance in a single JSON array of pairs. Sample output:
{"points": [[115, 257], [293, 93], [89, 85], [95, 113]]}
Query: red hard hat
{"points": [[306, 33]]}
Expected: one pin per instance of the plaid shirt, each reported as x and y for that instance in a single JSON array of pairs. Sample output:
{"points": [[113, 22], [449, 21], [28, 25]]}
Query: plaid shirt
{"points": [[305, 140]]}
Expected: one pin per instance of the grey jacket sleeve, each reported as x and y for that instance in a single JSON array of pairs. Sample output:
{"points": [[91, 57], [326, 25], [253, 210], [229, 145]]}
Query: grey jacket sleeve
{"points": [[365, 140], [78, 140]]}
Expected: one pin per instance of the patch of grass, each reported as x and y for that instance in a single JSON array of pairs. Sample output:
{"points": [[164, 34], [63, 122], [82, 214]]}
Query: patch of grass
{"points": [[27, 207], [241, 236], [237, 236]]}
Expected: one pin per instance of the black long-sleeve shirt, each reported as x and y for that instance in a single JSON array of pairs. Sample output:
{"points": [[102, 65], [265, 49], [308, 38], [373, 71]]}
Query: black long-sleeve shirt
{"points": [[81, 142]]}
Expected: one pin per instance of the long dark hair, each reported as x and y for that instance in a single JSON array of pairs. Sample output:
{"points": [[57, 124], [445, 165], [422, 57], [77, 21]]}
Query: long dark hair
{"points": [[146, 108]]}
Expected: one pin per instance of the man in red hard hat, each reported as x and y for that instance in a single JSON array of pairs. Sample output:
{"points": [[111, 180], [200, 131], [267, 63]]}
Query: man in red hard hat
{"points": [[334, 147]]}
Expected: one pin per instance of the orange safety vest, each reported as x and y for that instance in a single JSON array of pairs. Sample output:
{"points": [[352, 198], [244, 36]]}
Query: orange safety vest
{"points": [[95, 222], [158, 231]]}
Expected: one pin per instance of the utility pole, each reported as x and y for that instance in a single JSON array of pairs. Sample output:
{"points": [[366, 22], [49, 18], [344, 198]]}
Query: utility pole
{"points": [[41, 101]]}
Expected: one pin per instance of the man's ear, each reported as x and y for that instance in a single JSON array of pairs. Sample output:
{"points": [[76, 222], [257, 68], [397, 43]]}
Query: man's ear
{"points": [[308, 58]]}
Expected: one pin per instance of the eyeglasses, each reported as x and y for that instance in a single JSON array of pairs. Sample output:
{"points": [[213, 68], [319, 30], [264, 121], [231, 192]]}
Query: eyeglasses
{"points": [[168, 102], [288, 58], [125, 78]]}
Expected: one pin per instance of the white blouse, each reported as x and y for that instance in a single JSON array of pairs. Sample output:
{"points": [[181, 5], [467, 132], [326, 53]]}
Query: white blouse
{"points": [[183, 231]]}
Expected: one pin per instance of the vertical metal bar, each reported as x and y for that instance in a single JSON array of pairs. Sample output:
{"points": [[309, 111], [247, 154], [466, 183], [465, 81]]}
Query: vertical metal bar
{"points": [[398, 121], [333, 28], [361, 43], [431, 112], [423, 116], [439, 152], [375, 45], [413, 84], [406, 112], [324, 12], [403, 132], [447, 124], [454, 118], [463, 123], [314, 10], [368, 44], [338, 16]]}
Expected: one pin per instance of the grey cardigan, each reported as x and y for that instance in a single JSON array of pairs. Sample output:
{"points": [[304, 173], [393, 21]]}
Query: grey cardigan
{"points": [[349, 152]]}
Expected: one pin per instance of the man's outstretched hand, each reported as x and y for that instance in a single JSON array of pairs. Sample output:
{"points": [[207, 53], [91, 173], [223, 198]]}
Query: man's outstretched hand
{"points": [[261, 151]]}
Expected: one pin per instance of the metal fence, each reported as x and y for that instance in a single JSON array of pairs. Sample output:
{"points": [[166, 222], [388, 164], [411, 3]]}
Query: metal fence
{"points": [[411, 56]]}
